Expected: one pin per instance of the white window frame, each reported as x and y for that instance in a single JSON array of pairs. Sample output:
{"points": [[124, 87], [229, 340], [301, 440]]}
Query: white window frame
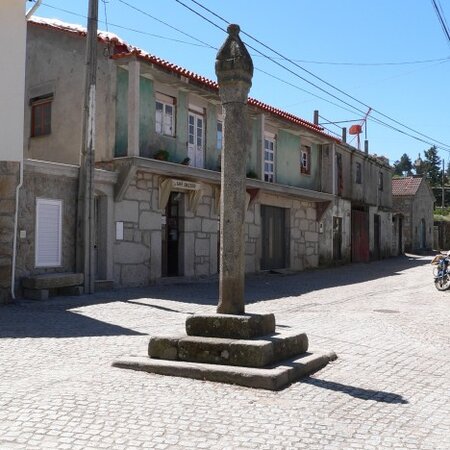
{"points": [[269, 157], [305, 160], [165, 120], [219, 135], [57, 257]]}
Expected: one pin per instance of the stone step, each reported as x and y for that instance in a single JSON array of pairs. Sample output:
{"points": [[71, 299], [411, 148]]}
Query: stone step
{"points": [[259, 352], [272, 378], [242, 326], [103, 285]]}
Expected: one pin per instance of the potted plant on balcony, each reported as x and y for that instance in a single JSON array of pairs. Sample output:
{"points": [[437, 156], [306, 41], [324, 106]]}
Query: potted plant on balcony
{"points": [[162, 155]]}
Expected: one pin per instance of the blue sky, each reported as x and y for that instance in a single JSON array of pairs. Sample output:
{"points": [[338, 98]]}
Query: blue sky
{"points": [[380, 42]]}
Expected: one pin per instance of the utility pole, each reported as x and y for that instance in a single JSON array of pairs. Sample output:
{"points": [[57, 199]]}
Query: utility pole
{"points": [[85, 214], [442, 184]]}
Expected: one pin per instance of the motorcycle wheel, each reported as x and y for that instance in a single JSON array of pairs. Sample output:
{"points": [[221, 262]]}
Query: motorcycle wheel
{"points": [[442, 284]]}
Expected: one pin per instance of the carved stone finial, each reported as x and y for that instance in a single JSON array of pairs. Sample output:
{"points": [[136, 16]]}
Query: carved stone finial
{"points": [[233, 62]]}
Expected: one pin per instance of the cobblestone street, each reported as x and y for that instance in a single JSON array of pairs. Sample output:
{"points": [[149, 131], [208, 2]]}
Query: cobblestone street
{"points": [[389, 387]]}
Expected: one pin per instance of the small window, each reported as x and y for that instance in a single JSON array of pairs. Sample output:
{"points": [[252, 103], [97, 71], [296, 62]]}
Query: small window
{"points": [[219, 140], [358, 173], [305, 160], [269, 159], [41, 115], [165, 115], [380, 181], [48, 232]]}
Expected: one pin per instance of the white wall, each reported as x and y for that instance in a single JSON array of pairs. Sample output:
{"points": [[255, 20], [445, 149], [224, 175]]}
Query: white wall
{"points": [[12, 79]]}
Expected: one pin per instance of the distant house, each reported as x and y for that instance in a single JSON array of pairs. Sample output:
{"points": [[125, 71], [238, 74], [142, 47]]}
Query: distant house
{"points": [[413, 202]]}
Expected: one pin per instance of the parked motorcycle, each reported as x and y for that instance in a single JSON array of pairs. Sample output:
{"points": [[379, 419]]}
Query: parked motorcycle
{"points": [[441, 271]]}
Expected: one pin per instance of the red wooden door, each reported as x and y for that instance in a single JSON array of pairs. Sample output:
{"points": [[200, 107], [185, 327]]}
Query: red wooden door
{"points": [[360, 236]]}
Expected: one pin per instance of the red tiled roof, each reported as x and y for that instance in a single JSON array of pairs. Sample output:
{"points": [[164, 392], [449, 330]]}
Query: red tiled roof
{"points": [[405, 185], [123, 50]]}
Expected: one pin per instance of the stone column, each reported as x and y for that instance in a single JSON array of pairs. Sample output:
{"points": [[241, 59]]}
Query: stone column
{"points": [[234, 70]]}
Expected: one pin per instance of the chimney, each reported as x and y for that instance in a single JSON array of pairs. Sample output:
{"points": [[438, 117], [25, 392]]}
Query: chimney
{"points": [[316, 117]]}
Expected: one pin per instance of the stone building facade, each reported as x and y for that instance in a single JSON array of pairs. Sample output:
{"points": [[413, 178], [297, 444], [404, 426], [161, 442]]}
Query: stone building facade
{"points": [[157, 182], [413, 205]]}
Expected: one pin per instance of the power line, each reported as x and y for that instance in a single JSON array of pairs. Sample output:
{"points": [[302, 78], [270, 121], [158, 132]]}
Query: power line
{"points": [[158, 36], [441, 18], [164, 23], [305, 61], [204, 44], [445, 146]]}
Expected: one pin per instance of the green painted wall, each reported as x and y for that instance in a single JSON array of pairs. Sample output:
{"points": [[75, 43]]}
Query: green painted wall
{"points": [[146, 116], [121, 144], [287, 158], [212, 154], [288, 162], [254, 154]]}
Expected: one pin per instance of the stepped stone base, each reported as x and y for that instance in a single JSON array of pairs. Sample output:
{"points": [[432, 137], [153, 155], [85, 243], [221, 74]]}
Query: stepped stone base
{"points": [[272, 378], [236, 352], [243, 326], [218, 352]]}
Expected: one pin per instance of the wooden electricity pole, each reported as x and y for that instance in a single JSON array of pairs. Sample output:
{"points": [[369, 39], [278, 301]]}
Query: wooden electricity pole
{"points": [[85, 215]]}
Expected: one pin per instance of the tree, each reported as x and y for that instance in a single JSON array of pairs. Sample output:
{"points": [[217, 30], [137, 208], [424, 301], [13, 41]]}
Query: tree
{"points": [[404, 166], [432, 165]]}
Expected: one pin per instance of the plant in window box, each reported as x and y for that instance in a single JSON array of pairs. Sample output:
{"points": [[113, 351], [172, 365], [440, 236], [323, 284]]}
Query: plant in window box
{"points": [[162, 155], [252, 174]]}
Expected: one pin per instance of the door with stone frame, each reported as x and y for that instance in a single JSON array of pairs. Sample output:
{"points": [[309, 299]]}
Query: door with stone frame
{"points": [[274, 237], [196, 139], [170, 258]]}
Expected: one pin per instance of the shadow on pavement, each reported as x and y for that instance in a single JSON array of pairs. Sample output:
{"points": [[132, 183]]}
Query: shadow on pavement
{"points": [[57, 317], [23, 320], [363, 394]]}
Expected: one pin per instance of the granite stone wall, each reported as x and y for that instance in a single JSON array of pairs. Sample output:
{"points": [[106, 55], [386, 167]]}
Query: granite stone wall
{"points": [[50, 186], [9, 178]]}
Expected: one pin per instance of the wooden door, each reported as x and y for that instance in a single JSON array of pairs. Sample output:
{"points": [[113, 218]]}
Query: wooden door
{"points": [[196, 139], [337, 238], [360, 236], [273, 237]]}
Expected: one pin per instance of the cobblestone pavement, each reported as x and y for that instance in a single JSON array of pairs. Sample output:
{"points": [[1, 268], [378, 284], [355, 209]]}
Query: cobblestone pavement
{"points": [[389, 388]]}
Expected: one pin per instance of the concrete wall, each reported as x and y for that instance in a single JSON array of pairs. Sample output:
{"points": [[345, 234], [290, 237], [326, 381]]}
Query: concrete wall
{"points": [[59, 70], [12, 79]]}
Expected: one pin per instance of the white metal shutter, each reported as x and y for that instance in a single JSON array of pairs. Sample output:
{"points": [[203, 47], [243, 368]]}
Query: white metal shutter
{"points": [[48, 232]]}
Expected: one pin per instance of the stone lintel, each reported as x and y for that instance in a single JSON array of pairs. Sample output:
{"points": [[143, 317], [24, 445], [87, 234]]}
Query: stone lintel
{"points": [[242, 326], [274, 378]]}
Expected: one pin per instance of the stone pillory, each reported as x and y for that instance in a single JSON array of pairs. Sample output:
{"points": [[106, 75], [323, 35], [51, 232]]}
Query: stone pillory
{"points": [[231, 346], [234, 70], [233, 62]]}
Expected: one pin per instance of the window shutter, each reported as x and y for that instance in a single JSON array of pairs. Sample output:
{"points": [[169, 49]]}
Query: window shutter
{"points": [[48, 232]]}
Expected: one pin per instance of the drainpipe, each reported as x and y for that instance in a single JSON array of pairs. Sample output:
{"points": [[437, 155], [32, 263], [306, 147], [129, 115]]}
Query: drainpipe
{"points": [[16, 219], [16, 214], [33, 9]]}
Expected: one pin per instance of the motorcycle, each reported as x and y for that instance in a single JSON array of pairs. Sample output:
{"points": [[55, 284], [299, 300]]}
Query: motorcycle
{"points": [[441, 271]]}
